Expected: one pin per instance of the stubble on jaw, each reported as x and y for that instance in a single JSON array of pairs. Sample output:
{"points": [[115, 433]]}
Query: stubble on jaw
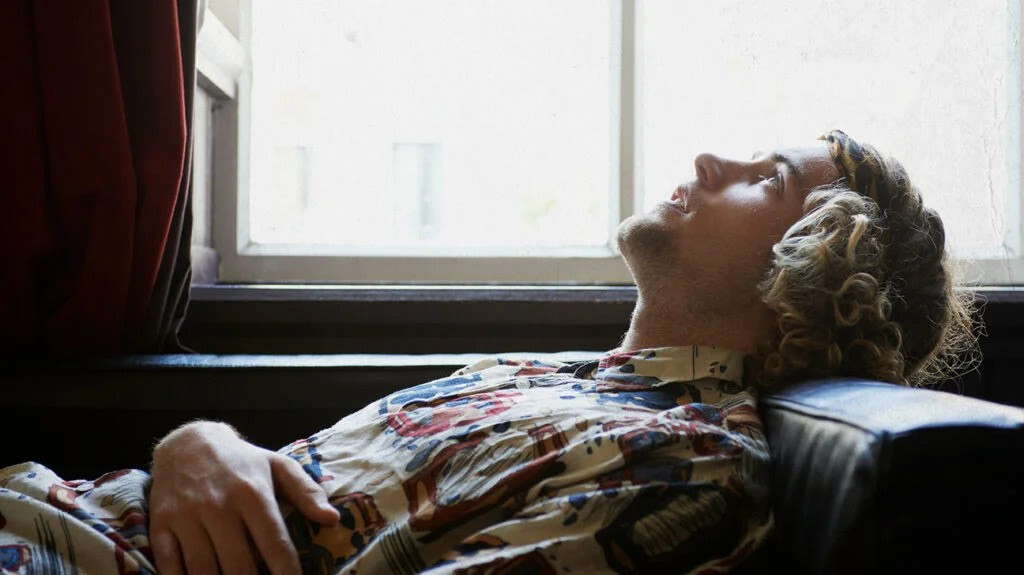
{"points": [[648, 250], [664, 276]]}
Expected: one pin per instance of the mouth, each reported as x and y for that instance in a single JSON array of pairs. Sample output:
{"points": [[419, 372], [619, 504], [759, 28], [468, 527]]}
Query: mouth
{"points": [[680, 200], [675, 205]]}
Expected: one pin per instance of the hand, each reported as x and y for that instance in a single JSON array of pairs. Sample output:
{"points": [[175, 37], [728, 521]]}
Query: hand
{"points": [[212, 491]]}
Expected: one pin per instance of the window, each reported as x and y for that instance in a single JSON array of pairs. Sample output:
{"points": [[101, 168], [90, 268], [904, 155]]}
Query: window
{"points": [[501, 141]]}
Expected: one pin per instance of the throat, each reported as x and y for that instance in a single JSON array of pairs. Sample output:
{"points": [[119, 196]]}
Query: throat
{"points": [[653, 325]]}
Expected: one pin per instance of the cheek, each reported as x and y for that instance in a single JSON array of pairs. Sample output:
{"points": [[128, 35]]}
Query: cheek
{"points": [[746, 237], [737, 233]]}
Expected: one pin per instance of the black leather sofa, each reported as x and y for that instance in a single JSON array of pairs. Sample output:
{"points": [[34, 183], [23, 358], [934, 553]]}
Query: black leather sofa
{"points": [[868, 477], [875, 478]]}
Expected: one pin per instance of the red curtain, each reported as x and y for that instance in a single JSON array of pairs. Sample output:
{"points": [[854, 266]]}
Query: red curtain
{"points": [[95, 141]]}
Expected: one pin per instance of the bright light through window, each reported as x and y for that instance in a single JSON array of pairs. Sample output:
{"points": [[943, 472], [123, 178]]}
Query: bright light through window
{"points": [[406, 126], [933, 84], [482, 140]]}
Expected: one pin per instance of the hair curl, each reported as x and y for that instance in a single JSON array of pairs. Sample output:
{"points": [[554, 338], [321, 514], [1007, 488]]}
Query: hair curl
{"points": [[868, 293]]}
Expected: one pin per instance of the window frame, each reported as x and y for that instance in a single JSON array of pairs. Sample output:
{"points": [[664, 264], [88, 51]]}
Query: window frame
{"points": [[225, 76], [241, 261], [1008, 271]]}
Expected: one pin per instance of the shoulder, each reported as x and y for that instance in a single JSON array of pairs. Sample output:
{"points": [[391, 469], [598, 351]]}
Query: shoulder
{"points": [[512, 365]]}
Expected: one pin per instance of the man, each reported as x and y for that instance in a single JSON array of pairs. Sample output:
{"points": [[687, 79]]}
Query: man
{"points": [[797, 263]]}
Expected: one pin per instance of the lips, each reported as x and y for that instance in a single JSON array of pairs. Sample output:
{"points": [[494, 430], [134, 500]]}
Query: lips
{"points": [[680, 199], [676, 206]]}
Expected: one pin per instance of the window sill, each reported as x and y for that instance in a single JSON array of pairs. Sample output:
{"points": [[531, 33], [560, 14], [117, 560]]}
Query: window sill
{"points": [[322, 319], [395, 293]]}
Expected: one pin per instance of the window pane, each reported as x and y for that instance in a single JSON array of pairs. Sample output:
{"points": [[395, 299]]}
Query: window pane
{"points": [[390, 124], [933, 84]]}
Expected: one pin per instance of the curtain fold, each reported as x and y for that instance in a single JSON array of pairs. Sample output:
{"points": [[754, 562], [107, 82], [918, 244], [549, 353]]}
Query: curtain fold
{"points": [[98, 104], [169, 301]]}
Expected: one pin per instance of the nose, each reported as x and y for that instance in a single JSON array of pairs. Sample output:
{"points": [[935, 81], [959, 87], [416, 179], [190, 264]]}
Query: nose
{"points": [[713, 172]]}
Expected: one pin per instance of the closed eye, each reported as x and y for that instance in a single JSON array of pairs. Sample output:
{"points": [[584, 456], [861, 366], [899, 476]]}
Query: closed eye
{"points": [[783, 165], [776, 183]]}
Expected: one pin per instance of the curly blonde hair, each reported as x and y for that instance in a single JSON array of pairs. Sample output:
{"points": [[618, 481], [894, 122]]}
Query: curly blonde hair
{"points": [[867, 291]]}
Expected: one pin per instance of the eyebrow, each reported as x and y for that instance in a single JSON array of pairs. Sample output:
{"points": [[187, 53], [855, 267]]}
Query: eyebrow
{"points": [[798, 176]]}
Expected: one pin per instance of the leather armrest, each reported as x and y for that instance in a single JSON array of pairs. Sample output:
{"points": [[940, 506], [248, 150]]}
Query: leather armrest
{"points": [[872, 477]]}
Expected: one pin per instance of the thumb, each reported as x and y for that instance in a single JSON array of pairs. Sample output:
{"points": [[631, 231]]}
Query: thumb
{"points": [[300, 489]]}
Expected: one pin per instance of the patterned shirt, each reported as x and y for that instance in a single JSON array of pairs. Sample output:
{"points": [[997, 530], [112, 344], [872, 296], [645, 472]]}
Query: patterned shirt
{"points": [[646, 461]]}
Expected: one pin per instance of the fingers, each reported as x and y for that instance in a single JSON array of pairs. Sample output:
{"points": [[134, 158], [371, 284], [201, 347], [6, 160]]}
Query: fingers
{"points": [[215, 537], [300, 489], [228, 535], [199, 555], [218, 539], [166, 552], [271, 537]]}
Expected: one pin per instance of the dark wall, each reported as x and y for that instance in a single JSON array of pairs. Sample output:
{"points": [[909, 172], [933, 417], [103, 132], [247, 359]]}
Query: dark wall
{"points": [[999, 377], [83, 419]]}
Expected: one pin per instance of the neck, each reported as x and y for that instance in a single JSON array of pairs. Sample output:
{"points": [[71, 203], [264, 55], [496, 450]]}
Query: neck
{"points": [[655, 324]]}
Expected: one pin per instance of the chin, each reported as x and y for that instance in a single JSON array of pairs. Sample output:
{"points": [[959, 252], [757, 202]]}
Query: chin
{"points": [[644, 242], [628, 231]]}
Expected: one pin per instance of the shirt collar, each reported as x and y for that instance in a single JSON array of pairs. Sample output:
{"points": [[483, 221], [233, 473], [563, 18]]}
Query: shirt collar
{"points": [[665, 364]]}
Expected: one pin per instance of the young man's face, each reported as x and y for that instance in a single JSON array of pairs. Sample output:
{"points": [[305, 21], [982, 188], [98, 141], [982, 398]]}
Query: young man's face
{"points": [[715, 233]]}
